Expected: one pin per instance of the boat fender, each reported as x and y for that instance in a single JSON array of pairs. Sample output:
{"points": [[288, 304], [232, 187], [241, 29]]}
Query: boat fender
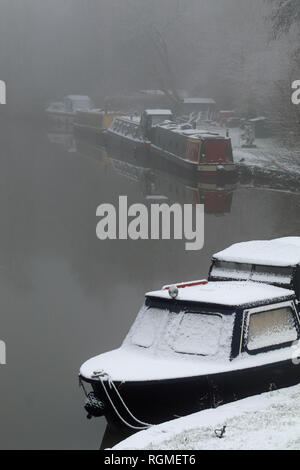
{"points": [[94, 407]]}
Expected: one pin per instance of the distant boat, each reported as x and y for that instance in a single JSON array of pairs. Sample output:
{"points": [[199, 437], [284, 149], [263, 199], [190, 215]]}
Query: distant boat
{"points": [[64, 112], [195, 152], [92, 122], [134, 132]]}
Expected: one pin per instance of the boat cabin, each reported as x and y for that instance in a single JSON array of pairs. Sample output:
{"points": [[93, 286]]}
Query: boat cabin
{"points": [[275, 262], [154, 117], [73, 103], [194, 145], [219, 320], [215, 322], [138, 128]]}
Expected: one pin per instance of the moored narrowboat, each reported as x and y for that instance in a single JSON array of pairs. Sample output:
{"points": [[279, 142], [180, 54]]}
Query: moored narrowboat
{"points": [[193, 346], [92, 122], [206, 153], [194, 152], [134, 132]]}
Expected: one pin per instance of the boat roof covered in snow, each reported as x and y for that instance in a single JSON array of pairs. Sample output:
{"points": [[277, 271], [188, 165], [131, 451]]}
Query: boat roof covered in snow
{"points": [[199, 101], [281, 252], [228, 294], [158, 112], [188, 131]]}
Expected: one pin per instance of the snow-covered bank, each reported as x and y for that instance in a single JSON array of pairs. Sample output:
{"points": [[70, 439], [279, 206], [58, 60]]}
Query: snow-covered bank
{"points": [[267, 154], [267, 421], [270, 164]]}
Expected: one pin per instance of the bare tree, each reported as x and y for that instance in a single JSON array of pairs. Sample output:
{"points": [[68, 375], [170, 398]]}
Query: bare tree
{"points": [[285, 14]]}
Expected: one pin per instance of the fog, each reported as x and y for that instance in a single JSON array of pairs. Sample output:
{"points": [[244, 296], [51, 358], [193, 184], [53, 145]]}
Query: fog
{"points": [[210, 48]]}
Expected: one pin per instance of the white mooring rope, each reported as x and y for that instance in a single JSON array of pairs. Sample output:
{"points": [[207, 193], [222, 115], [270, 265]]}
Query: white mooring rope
{"points": [[143, 425]]}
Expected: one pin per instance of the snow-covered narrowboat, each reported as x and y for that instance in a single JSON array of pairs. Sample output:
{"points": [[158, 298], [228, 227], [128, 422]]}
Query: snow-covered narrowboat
{"points": [[203, 154], [195, 151], [194, 346], [275, 262]]}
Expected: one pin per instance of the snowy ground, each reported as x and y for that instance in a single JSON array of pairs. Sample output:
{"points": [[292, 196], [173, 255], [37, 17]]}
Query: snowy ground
{"points": [[268, 421], [268, 154]]}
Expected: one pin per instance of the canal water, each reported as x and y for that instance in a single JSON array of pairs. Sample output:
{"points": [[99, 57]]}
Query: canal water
{"points": [[65, 296]]}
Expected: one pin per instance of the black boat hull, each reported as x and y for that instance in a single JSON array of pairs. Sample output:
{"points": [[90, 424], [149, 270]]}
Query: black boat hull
{"points": [[154, 402]]}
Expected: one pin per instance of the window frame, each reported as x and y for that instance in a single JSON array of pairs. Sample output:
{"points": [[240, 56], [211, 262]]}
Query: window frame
{"points": [[252, 272], [194, 312], [266, 308]]}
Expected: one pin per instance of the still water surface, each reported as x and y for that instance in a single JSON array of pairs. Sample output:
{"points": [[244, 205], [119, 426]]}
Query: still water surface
{"points": [[65, 296]]}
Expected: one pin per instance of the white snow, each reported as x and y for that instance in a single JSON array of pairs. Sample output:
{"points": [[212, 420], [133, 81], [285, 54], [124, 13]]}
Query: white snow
{"points": [[136, 364], [269, 156], [192, 133], [227, 293], [198, 334], [199, 101], [147, 326], [268, 421], [280, 252], [159, 112]]}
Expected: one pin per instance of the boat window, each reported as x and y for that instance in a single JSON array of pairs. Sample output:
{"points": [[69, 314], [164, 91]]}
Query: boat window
{"points": [[226, 270], [271, 328], [274, 275], [147, 326], [198, 334], [243, 272]]}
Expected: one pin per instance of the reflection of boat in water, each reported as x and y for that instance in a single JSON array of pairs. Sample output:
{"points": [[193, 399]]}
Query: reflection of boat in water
{"points": [[216, 197], [126, 168], [194, 152], [194, 346], [159, 184], [64, 139]]}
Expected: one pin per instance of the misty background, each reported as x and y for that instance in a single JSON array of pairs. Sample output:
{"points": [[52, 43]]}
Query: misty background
{"points": [[225, 50]]}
